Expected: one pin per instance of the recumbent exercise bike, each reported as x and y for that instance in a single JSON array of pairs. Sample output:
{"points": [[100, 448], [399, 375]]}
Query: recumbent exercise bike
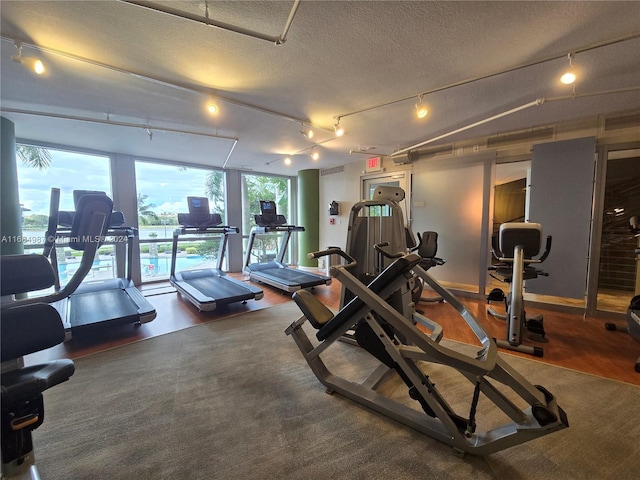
{"points": [[29, 325], [517, 244]]}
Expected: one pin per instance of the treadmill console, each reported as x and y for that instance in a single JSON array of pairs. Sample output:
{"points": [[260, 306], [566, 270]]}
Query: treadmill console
{"points": [[65, 218], [268, 216], [199, 215], [78, 194]]}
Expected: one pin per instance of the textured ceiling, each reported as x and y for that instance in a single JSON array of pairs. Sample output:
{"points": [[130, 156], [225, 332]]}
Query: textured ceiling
{"points": [[363, 62]]}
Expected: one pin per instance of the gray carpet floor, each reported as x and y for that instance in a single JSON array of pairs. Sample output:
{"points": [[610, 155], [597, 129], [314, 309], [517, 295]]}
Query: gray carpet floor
{"points": [[234, 399]]}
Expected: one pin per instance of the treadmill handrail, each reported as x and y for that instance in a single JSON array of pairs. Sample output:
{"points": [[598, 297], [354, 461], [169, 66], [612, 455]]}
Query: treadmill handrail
{"points": [[287, 230], [218, 229], [262, 230], [222, 230], [129, 232]]}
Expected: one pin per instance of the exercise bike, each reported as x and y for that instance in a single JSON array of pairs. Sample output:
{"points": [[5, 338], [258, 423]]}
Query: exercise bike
{"points": [[518, 243], [427, 248], [32, 324]]}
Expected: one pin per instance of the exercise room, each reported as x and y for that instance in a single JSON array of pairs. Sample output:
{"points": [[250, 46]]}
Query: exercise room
{"points": [[304, 239]]}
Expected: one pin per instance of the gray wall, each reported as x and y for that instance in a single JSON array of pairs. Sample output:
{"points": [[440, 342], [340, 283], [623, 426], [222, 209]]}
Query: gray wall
{"points": [[560, 199]]}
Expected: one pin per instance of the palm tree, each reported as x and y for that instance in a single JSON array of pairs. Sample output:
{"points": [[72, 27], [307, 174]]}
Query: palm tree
{"points": [[36, 157], [267, 188], [146, 216], [214, 189]]}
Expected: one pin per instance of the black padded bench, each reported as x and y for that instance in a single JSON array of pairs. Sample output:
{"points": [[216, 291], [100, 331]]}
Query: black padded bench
{"points": [[325, 321]]}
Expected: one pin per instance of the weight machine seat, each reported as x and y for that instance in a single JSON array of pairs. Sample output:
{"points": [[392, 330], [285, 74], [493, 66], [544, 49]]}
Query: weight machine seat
{"points": [[315, 311], [323, 319]]}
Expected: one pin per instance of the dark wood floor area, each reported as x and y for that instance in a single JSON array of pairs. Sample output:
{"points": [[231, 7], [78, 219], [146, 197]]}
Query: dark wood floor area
{"points": [[573, 341]]}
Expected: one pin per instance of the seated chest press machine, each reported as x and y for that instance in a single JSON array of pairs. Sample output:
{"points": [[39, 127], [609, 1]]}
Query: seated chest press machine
{"points": [[518, 243], [406, 350]]}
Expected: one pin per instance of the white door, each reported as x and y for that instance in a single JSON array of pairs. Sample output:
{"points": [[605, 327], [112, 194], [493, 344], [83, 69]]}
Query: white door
{"points": [[396, 179]]}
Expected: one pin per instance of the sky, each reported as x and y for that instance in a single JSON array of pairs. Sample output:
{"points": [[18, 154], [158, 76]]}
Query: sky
{"points": [[167, 187]]}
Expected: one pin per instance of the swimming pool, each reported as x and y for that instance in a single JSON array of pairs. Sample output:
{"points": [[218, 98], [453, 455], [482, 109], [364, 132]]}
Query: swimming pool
{"points": [[159, 267]]}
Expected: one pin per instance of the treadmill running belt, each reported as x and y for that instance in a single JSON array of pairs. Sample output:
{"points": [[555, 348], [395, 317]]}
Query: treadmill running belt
{"points": [[290, 275], [220, 289], [95, 307]]}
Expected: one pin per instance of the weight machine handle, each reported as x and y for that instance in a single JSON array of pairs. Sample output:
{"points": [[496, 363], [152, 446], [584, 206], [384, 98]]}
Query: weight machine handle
{"points": [[378, 248], [351, 262]]}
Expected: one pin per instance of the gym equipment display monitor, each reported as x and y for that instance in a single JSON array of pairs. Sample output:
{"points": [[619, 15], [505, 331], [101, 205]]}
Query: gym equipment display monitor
{"points": [[268, 210]]}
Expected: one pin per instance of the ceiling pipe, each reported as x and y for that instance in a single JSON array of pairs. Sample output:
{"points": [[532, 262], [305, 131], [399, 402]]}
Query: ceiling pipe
{"points": [[277, 40], [226, 160], [287, 26], [148, 128], [310, 147], [114, 123], [536, 102], [592, 94]]}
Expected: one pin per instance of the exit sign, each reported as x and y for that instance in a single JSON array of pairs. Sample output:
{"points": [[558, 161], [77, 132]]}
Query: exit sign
{"points": [[374, 164]]}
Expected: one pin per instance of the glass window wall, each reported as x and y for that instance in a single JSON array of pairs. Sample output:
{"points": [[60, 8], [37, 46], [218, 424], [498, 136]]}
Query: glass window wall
{"points": [[619, 271], [162, 192], [41, 169], [254, 189]]}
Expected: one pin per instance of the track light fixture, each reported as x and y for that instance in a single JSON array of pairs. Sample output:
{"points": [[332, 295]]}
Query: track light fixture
{"points": [[307, 132], [287, 160], [212, 108], [32, 63], [314, 154], [338, 129], [569, 77], [421, 108]]}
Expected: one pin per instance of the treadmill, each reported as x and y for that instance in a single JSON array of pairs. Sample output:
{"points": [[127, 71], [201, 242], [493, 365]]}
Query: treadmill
{"points": [[207, 288], [276, 273], [103, 302]]}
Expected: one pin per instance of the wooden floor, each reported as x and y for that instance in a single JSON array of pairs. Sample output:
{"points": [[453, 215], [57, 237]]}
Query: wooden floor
{"points": [[574, 342]]}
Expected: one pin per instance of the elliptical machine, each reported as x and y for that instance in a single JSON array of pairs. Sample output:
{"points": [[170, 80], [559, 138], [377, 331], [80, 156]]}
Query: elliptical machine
{"points": [[518, 243]]}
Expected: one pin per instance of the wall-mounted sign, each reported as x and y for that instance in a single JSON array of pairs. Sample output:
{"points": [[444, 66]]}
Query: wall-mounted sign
{"points": [[374, 164]]}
